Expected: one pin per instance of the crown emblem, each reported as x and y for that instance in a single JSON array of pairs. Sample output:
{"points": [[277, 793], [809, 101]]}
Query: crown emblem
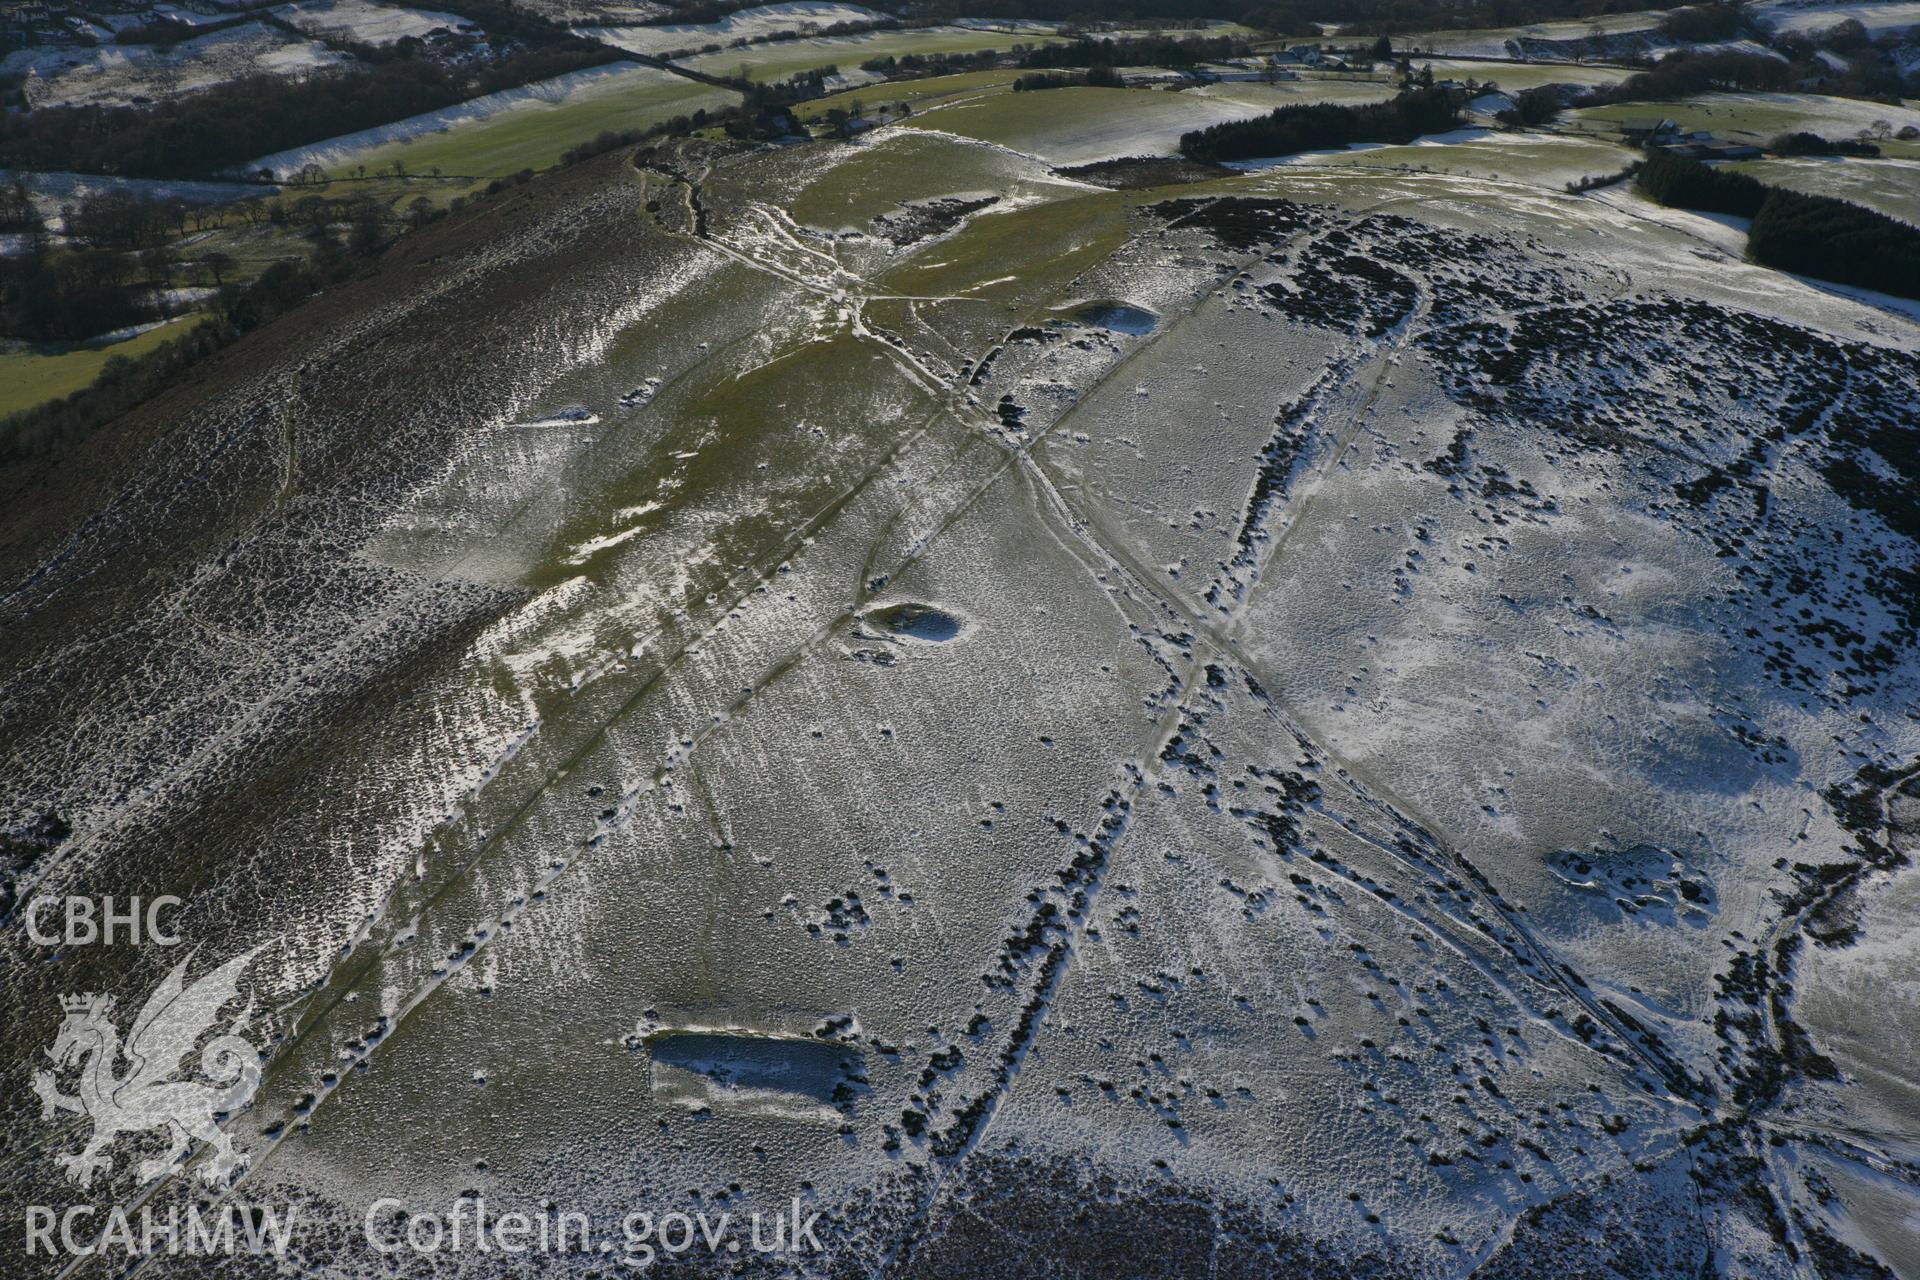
{"points": [[80, 1004]]}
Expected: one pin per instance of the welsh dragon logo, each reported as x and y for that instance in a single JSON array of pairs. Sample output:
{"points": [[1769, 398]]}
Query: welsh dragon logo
{"points": [[146, 1095]]}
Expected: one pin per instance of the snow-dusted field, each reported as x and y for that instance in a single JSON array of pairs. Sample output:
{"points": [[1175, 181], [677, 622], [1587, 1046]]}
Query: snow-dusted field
{"points": [[366, 22], [574, 86], [1526, 158], [1751, 48], [116, 75], [1027, 26], [1320, 722], [1878, 19], [1082, 125], [1758, 117], [1500, 42], [1516, 76], [744, 24], [1889, 185]]}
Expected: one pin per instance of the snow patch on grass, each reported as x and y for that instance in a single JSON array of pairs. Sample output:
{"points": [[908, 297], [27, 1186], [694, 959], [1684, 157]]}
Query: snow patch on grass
{"points": [[121, 75], [335, 152], [747, 24], [359, 20]]}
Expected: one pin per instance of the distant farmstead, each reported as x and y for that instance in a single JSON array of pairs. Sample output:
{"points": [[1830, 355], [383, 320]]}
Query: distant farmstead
{"points": [[1649, 132], [1667, 136], [1306, 55]]}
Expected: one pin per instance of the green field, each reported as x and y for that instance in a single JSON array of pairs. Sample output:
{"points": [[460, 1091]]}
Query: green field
{"points": [[1514, 77], [1890, 186], [1052, 242], [784, 59], [1757, 117], [1289, 93], [533, 134], [920, 93], [1212, 28], [939, 91], [256, 246], [29, 378], [878, 177], [1535, 159], [1491, 40], [1081, 125]]}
